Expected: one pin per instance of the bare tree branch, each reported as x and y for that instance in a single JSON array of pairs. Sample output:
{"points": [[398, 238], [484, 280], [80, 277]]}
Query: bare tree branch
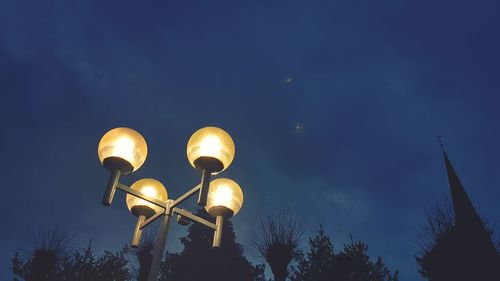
{"points": [[277, 242]]}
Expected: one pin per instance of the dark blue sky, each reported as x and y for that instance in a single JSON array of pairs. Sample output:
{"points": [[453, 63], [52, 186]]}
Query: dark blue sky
{"points": [[374, 84]]}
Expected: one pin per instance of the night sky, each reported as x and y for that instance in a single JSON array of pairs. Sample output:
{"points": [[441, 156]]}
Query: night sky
{"points": [[373, 84]]}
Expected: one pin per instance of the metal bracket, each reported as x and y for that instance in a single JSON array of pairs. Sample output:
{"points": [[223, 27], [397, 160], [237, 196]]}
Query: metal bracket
{"points": [[150, 220], [186, 195], [136, 238], [141, 195], [195, 218], [114, 177], [205, 185], [218, 232]]}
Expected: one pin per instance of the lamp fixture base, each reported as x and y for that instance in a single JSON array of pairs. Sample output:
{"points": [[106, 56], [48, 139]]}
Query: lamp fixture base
{"points": [[136, 239], [117, 163], [222, 211], [207, 163], [145, 211]]}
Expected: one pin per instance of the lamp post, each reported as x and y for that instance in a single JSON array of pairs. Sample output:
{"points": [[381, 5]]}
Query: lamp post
{"points": [[210, 150]]}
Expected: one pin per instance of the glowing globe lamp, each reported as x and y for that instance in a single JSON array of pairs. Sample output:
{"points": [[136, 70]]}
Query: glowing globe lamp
{"points": [[225, 198], [151, 188], [211, 149], [122, 149]]}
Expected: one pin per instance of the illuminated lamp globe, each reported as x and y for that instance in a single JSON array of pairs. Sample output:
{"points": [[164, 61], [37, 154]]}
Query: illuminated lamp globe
{"points": [[122, 149], [225, 198], [151, 188], [210, 149]]}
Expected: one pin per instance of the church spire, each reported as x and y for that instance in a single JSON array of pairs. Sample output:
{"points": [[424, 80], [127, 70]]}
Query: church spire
{"points": [[476, 239], [464, 251], [465, 213]]}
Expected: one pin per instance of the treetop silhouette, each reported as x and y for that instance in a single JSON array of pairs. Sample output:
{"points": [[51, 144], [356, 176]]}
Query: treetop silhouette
{"points": [[277, 241], [321, 263]]}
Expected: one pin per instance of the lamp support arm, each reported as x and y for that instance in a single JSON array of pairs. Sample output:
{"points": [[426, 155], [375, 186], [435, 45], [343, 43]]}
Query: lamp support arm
{"points": [[205, 184], [114, 177], [141, 195], [186, 195], [136, 238], [150, 220], [218, 231], [193, 217]]}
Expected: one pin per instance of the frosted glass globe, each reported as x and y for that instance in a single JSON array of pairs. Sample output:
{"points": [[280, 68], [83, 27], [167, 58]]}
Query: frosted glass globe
{"points": [[151, 188], [122, 148], [225, 198], [211, 149]]}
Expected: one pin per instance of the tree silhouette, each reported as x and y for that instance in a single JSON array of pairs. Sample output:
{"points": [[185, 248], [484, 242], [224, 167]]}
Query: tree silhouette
{"points": [[439, 221], [277, 241], [354, 264], [50, 261], [317, 264], [112, 267], [81, 265], [41, 265], [199, 261], [320, 263], [144, 254]]}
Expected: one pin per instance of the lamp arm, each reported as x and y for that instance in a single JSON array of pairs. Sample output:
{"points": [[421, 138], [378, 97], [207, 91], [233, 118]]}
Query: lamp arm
{"points": [[141, 195], [159, 203], [136, 239], [218, 232], [186, 195], [150, 220], [205, 185], [195, 218], [111, 187]]}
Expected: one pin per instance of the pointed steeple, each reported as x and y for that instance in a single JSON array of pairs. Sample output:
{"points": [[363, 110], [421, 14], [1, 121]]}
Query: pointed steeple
{"points": [[465, 213], [472, 236], [464, 251]]}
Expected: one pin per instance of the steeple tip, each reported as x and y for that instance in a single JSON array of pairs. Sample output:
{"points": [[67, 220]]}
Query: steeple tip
{"points": [[440, 141]]}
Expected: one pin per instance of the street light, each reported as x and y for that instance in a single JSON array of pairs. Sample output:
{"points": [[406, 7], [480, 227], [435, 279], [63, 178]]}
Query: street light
{"points": [[210, 149], [224, 200]]}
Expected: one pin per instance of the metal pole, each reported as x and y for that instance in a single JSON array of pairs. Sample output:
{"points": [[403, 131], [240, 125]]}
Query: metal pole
{"points": [[205, 185], [111, 187], [136, 239], [219, 222], [160, 246]]}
